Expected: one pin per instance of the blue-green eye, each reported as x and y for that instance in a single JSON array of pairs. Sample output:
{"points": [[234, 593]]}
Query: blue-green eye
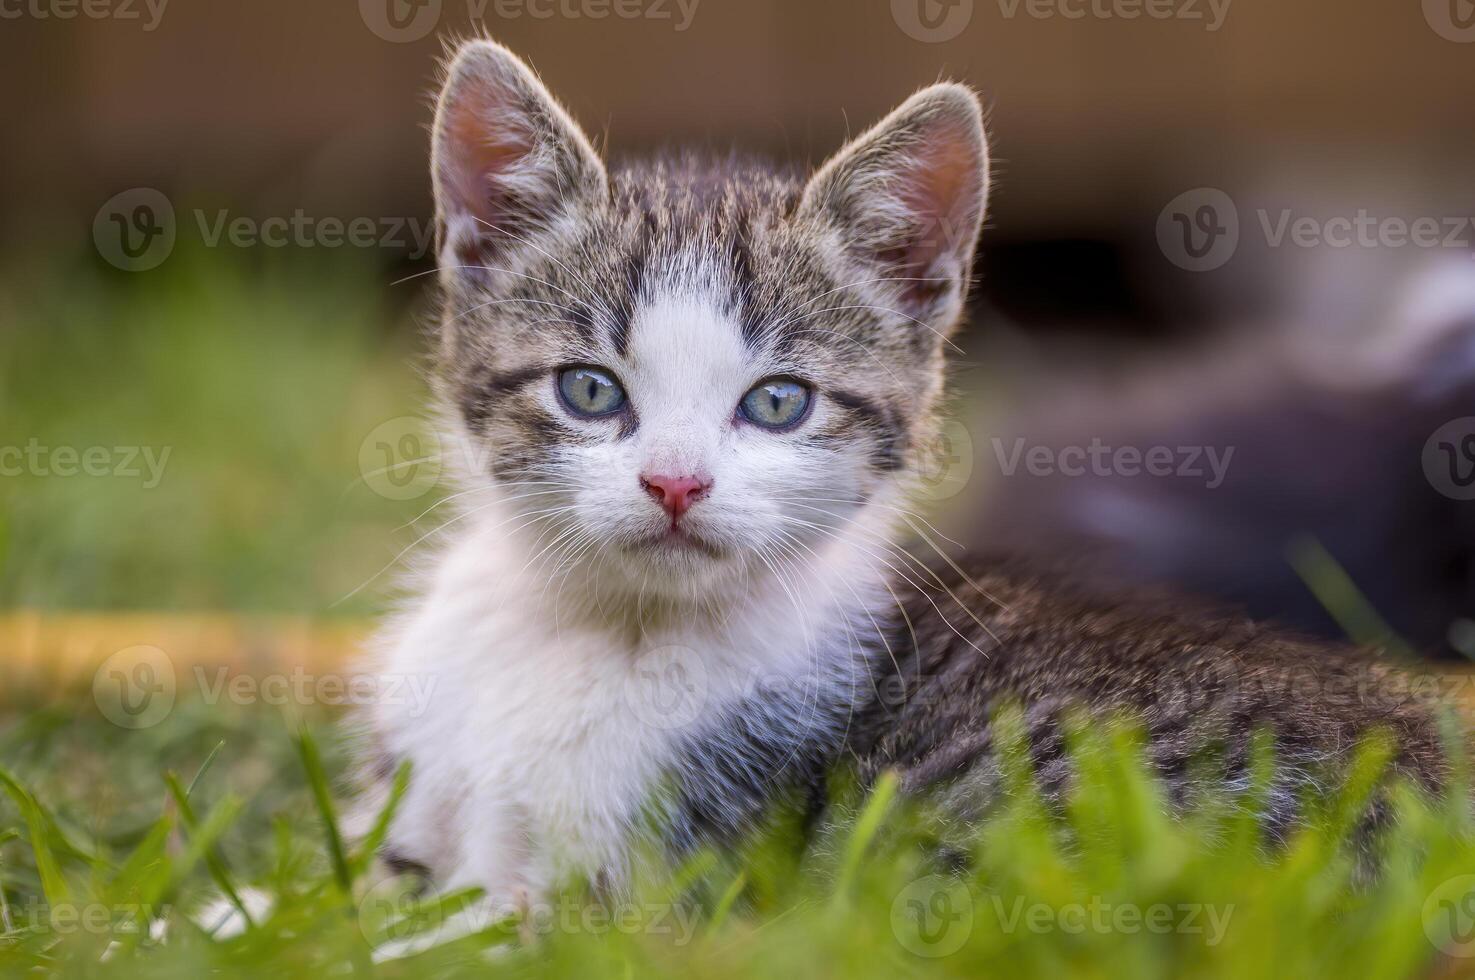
{"points": [[590, 392], [775, 404]]}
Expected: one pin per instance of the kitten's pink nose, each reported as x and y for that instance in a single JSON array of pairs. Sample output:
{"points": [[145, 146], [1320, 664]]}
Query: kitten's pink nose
{"points": [[676, 493]]}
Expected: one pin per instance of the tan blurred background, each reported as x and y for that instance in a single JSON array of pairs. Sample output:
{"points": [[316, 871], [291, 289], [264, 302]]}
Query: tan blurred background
{"points": [[1098, 117]]}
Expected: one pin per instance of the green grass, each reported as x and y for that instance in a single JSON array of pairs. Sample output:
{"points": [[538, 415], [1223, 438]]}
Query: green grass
{"points": [[100, 822], [260, 380]]}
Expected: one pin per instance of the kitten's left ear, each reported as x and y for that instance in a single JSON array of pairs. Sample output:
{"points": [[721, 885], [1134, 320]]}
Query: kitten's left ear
{"points": [[508, 162], [908, 197]]}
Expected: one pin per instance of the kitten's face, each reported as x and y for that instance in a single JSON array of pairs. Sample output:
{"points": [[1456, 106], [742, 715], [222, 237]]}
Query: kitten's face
{"points": [[691, 375]]}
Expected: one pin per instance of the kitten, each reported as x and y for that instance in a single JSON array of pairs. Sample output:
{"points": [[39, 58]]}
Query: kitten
{"points": [[690, 400]]}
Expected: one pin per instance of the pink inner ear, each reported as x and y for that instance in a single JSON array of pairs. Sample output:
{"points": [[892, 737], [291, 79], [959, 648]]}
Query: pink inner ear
{"points": [[944, 189], [482, 144]]}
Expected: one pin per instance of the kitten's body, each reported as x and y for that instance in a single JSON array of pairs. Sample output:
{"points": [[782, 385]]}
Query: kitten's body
{"points": [[598, 640], [1201, 684]]}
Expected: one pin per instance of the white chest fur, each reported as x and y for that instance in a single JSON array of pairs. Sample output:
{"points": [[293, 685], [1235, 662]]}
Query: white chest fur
{"points": [[541, 739]]}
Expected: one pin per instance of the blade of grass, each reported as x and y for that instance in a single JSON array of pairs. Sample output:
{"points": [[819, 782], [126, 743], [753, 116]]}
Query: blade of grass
{"points": [[6, 837], [317, 779], [867, 825], [149, 851], [686, 876], [726, 902], [53, 885], [213, 861], [207, 833], [1340, 596], [420, 916], [157, 889], [204, 768]]}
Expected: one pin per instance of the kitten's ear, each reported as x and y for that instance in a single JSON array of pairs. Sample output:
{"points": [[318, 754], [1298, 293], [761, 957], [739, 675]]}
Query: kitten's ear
{"points": [[907, 198], [507, 161]]}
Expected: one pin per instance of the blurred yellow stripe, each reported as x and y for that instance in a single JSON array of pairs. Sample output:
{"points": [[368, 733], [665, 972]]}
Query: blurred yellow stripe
{"points": [[67, 647]]}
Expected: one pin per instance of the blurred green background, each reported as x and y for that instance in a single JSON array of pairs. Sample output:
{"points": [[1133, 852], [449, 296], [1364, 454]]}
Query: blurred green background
{"points": [[232, 394]]}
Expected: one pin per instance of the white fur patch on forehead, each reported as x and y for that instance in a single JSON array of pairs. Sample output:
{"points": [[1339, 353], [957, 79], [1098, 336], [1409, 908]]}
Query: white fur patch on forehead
{"points": [[686, 355]]}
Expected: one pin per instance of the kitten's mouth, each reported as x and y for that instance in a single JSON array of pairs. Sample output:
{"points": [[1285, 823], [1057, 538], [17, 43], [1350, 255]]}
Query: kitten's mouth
{"points": [[679, 540]]}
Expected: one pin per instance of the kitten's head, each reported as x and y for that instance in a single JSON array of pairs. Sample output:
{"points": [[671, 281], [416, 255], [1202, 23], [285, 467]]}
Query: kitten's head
{"points": [[695, 370]]}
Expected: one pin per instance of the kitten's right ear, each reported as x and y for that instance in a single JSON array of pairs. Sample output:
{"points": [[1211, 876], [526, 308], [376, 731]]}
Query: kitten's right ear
{"points": [[507, 161], [908, 198]]}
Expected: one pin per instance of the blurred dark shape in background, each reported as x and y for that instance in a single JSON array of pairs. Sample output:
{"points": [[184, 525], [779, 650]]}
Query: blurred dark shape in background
{"points": [[1326, 487], [1199, 232]]}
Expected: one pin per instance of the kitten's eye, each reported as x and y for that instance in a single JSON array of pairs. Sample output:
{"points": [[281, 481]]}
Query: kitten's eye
{"points": [[775, 404], [590, 392]]}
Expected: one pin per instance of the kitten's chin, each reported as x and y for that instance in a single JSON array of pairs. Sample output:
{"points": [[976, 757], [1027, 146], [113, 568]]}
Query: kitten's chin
{"points": [[677, 544], [678, 564]]}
